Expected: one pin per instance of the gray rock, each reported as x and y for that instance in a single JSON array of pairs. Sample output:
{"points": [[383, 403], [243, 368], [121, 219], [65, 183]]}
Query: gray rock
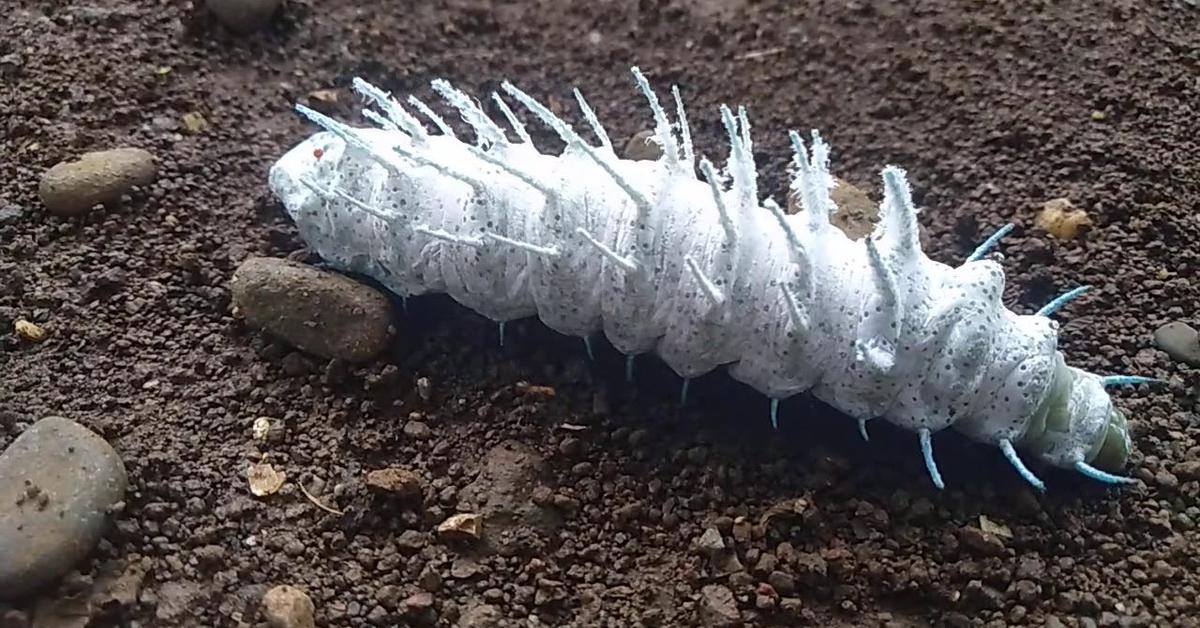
{"points": [[320, 312], [179, 601], [243, 16], [73, 187], [783, 582], [710, 542], [1180, 340], [10, 213], [481, 616], [718, 608], [58, 481]]}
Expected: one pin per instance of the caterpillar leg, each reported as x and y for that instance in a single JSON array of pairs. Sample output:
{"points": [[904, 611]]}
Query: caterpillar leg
{"points": [[930, 463], [1128, 380], [1010, 452], [501, 333], [1102, 476], [683, 391], [1063, 299], [862, 429], [587, 344], [990, 243], [775, 413], [629, 368]]}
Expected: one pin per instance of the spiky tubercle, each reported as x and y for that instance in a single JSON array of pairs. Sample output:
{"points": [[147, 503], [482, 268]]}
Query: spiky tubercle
{"points": [[699, 271]]}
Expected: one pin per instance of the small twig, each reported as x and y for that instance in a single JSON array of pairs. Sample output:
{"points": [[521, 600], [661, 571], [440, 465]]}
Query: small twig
{"points": [[317, 503], [756, 54]]}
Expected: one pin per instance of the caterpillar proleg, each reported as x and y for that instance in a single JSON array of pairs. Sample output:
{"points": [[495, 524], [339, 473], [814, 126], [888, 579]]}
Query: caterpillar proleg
{"points": [[700, 270]]}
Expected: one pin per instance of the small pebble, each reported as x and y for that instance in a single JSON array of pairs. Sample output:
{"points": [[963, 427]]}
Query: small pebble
{"points": [[319, 312], [417, 430], [29, 332], [288, 607], [481, 616], [643, 147], [73, 187], [570, 447], [10, 213], [400, 482], [856, 213], [1181, 341], [718, 608], [782, 582], [1061, 219], [983, 543]]}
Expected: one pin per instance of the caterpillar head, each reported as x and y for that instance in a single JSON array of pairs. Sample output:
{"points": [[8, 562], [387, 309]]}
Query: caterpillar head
{"points": [[1076, 426]]}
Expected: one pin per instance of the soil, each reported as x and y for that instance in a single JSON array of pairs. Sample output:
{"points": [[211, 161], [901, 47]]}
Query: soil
{"points": [[993, 108]]}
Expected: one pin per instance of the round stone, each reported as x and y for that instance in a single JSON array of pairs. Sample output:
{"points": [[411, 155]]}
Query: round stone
{"points": [[316, 311], [73, 187], [58, 482]]}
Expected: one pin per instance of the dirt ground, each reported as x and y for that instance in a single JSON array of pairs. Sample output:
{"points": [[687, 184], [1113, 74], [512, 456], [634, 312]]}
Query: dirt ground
{"points": [[994, 108]]}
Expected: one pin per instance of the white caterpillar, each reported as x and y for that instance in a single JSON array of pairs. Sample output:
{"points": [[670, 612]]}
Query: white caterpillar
{"points": [[700, 271]]}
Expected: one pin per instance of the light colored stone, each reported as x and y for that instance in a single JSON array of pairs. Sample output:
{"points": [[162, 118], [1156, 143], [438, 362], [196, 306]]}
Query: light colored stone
{"points": [[718, 608], [286, 606], [855, 214], [58, 482], [1180, 340], [1061, 219], [264, 479], [29, 332], [73, 187], [316, 311], [710, 542]]}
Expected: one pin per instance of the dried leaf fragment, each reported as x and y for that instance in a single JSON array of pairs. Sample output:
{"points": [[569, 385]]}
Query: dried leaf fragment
{"points": [[29, 332], [991, 527], [796, 508], [461, 527], [264, 479], [324, 100]]}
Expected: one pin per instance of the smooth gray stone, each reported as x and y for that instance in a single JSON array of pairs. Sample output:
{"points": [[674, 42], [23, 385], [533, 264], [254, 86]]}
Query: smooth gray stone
{"points": [[58, 482], [1180, 340]]}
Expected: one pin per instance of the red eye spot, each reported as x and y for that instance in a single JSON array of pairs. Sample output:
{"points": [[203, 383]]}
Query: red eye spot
{"points": [[318, 152]]}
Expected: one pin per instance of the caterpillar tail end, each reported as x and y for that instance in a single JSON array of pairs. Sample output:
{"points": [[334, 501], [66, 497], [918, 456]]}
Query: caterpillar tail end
{"points": [[1078, 427], [1113, 451]]}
